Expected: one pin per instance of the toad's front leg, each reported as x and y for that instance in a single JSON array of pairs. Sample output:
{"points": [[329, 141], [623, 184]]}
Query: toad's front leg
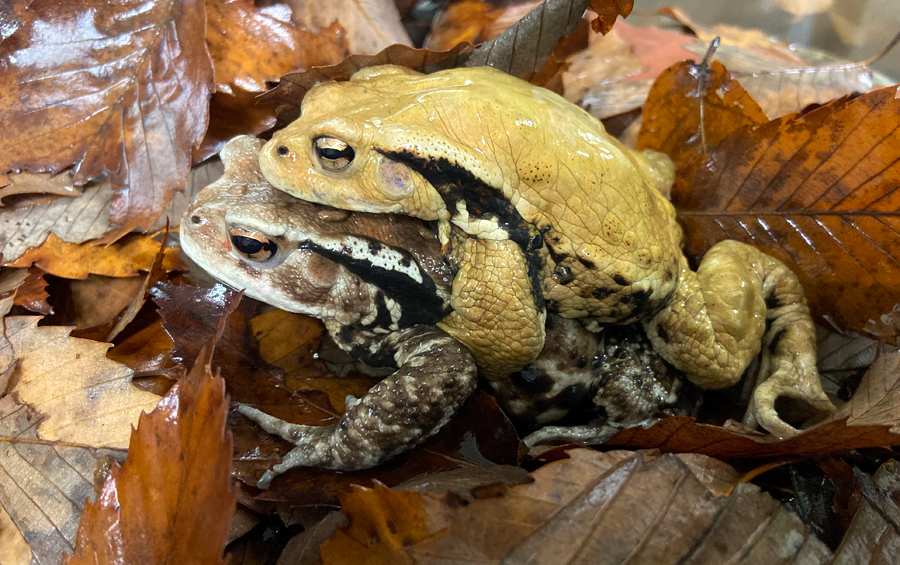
{"points": [[716, 324], [498, 312], [436, 374]]}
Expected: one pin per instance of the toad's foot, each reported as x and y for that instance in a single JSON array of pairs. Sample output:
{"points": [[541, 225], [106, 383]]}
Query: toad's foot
{"points": [[496, 312], [716, 324], [557, 435], [435, 377]]}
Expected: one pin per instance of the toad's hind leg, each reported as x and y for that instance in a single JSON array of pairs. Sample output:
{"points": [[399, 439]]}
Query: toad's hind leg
{"points": [[497, 312], [716, 324], [435, 376]]}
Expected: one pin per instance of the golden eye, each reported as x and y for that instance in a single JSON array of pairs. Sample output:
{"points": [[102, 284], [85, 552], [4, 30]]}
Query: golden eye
{"points": [[252, 245], [334, 155]]}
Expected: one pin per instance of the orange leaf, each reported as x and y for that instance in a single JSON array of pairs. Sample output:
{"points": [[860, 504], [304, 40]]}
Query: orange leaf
{"points": [[32, 295], [172, 500], [126, 258], [672, 115], [118, 87], [817, 191]]}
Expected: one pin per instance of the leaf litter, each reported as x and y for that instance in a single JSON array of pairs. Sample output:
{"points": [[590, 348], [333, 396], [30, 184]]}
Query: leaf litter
{"points": [[440, 501]]}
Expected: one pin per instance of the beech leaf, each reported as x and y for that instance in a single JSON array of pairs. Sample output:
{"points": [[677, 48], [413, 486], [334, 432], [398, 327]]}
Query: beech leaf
{"points": [[817, 191], [83, 397], [125, 258], [43, 487], [117, 87], [628, 508], [369, 25], [173, 498]]}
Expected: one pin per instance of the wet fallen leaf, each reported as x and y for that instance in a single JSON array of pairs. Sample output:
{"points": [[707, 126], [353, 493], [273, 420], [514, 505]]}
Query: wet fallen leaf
{"points": [[82, 397], [290, 341], [32, 295], [147, 352], [12, 12], [43, 487], [251, 46], [125, 258], [692, 108], [627, 507], [370, 25], [173, 498], [843, 359], [874, 534], [39, 183], [154, 72], [814, 190]]}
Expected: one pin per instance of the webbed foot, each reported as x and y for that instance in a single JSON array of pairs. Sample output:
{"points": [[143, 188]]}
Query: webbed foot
{"points": [[738, 302]]}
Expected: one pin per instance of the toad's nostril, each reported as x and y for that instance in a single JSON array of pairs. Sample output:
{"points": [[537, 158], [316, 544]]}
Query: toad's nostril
{"points": [[282, 150], [195, 219]]}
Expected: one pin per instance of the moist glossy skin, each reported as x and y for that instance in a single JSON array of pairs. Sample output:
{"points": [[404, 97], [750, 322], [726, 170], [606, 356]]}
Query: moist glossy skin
{"points": [[338, 266], [559, 215]]}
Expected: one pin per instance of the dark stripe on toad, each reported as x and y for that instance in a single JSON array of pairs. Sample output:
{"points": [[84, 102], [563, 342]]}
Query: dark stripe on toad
{"points": [[456, 184], [419, 302]]}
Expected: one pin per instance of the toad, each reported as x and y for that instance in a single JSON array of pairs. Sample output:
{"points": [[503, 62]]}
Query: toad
{"points": [[380, 285], [557, 215]]}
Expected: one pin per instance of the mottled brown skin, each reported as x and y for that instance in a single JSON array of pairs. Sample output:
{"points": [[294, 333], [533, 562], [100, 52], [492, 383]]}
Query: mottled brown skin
{"points": [[506, 161], [435, 374]]}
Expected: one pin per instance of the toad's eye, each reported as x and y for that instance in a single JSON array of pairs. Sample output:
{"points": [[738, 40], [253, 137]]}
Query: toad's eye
{"points": [[252, 245], [334, 154]]}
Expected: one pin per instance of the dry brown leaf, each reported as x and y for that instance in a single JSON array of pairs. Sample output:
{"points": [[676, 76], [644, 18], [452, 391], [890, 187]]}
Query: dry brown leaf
{"points": [[524, 47], [778, 85], [691, 108], [607, 59], [751, 40], [658, 50], [44, 485], [121, 88], [626, 507], [173, 498], [83, 397], [877, 399], [14, 549], [370, 25], [75, 220], [873, 536], [39, 183], [125, 258], [816, 191]]}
